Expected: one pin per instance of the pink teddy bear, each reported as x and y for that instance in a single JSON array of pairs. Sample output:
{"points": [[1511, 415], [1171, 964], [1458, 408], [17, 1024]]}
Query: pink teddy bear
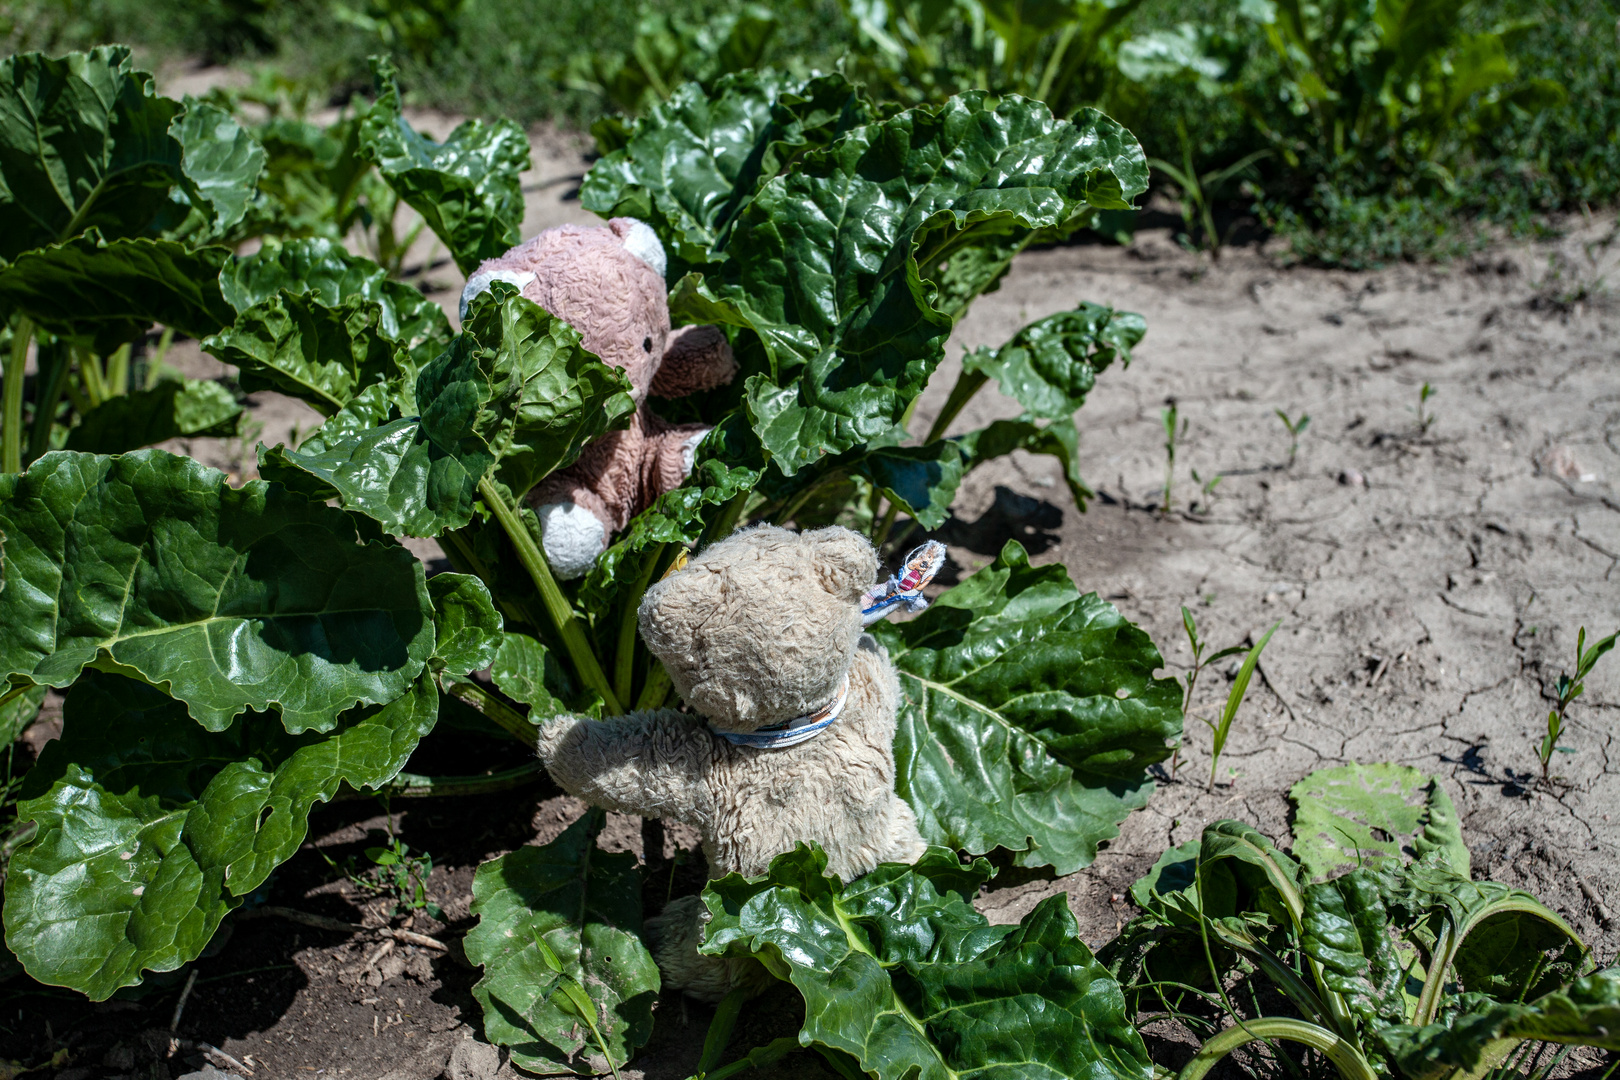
{"points": [[608, 284]]}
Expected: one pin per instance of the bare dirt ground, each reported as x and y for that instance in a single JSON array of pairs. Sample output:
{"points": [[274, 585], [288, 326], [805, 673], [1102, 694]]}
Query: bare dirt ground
{"points": [[1429, 584]]}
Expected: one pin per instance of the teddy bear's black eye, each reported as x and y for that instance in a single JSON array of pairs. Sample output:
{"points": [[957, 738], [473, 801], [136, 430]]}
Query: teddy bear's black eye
{"points": [[646, 344]]}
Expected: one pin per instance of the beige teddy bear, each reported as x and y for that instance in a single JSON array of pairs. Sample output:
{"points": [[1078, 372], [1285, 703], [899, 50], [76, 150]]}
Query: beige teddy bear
{"points": [[608, 284], [792, 734]]}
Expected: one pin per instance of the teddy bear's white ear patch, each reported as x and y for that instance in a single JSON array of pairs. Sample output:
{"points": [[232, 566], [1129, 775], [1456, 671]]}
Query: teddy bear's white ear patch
{"points": [[572, 538], [643, 243], [481, 281]]}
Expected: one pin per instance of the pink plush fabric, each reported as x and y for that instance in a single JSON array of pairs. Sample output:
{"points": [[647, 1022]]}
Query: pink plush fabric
{"points": [[601, 282]]}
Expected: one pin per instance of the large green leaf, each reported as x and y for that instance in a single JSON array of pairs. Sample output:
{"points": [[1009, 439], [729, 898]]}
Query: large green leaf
{"points": [[1585, 1013], [694, 161], [898, 970], [585, 904], [174, 408], [515, 392], [84, 143], [466, 188], [325, 355], [221, 163], [1051, 365], [108, 292], [832, 263], [228, 598], [467, 628], [1355, 814], [151, 829], [529, 673], [323, 268], [1346, 930], [1029, 714], [921, 480]]}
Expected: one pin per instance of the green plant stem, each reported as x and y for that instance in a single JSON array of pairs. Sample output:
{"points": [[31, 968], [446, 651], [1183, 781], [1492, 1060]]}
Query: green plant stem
{"points": [[725, 523], [624, 657], [796, 503], [881, 534], [118, 372], [1345, 1057], [11, 409], [479, 697], [48, 396], [721, 1027], [415, 786], [95, 383], [1054, 64], [657, 689], [967, 384], [757, 1058], [562, 615]]}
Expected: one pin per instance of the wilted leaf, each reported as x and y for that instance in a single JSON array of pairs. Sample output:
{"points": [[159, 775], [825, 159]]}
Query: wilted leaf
{"points": [[1346, 930], [106, 293], [585, 904], [84, 144], [1059, 439], [151, 829], [466, 188], [898, 970], [174, 408], [228, 598], [1355, 814], [1029, 715]]}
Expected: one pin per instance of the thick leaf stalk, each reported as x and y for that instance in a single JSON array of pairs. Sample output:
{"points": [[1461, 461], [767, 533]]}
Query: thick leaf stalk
{"points": [[11, 406], [1345, 1057]]}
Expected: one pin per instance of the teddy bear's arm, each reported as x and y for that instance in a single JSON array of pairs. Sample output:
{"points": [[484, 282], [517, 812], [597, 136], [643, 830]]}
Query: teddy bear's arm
{"points": [[695, 358], [653, 764]]}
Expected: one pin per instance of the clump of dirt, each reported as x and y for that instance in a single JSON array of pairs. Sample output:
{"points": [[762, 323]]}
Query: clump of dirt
{"points": [[1429, 579]]}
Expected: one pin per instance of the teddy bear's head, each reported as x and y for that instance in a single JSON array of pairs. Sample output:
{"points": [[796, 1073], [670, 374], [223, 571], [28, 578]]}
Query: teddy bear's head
{"points": [[763, 626], [607, 282]]}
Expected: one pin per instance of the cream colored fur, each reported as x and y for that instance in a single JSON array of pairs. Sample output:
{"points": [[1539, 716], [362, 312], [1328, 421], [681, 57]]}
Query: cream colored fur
{"points": [[760, 628]]}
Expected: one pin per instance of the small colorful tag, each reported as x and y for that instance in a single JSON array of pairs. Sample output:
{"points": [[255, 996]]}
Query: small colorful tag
{"points": [[905, 588]]}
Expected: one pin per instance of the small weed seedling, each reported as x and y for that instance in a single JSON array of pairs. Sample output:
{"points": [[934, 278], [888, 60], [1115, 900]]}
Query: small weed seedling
{"points": [[1207, 487], [403, 874], [1240, 687], [1425, 417], [1568, 690], [1169, 416], [1200, 661], [1199, 192], [1296, 428]]}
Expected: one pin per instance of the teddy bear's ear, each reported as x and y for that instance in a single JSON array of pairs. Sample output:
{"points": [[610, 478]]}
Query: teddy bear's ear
{"points": [[845, 560], [639, 240]]}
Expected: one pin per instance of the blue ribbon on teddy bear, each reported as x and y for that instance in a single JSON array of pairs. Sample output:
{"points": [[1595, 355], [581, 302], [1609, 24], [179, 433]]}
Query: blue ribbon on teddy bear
{"points": [[902, 591]]}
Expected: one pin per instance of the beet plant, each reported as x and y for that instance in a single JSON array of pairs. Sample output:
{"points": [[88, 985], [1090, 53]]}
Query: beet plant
{"points": [[234, 654]]}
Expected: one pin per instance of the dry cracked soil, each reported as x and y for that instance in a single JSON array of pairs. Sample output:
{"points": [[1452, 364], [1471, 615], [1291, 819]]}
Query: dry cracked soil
{"points": [[1429, 576]]}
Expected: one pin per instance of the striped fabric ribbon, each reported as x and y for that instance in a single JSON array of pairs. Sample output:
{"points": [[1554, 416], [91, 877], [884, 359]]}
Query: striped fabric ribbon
{"points": [[789, 732]]}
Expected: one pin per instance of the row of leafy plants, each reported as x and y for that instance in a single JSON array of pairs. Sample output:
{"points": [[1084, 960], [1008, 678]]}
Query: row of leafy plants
{"points": [[234, 655]]}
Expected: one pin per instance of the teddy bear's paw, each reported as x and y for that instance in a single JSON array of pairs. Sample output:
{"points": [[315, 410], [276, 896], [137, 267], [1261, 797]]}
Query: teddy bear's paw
{"points": [[481, 281], [689, 450], [572, 538]]}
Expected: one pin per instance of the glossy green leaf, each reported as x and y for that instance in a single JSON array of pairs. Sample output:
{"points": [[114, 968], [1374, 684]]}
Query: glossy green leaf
{"points": [[1059, 439], [221, 162], [1267, 878], [1585, 1013], [922, 480], [1051, 365], [152, 829], [831, 264], [323, 267], [19, 712], [515, 392], [1355, 814], [106, 293], [585, 905], [84, 143], [530, 674], [467, 628], [173, 409], [1346, 930], [229, 598], [1029, 715], [898, 970], [325, 355], [466, 188], [694, 161]]}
